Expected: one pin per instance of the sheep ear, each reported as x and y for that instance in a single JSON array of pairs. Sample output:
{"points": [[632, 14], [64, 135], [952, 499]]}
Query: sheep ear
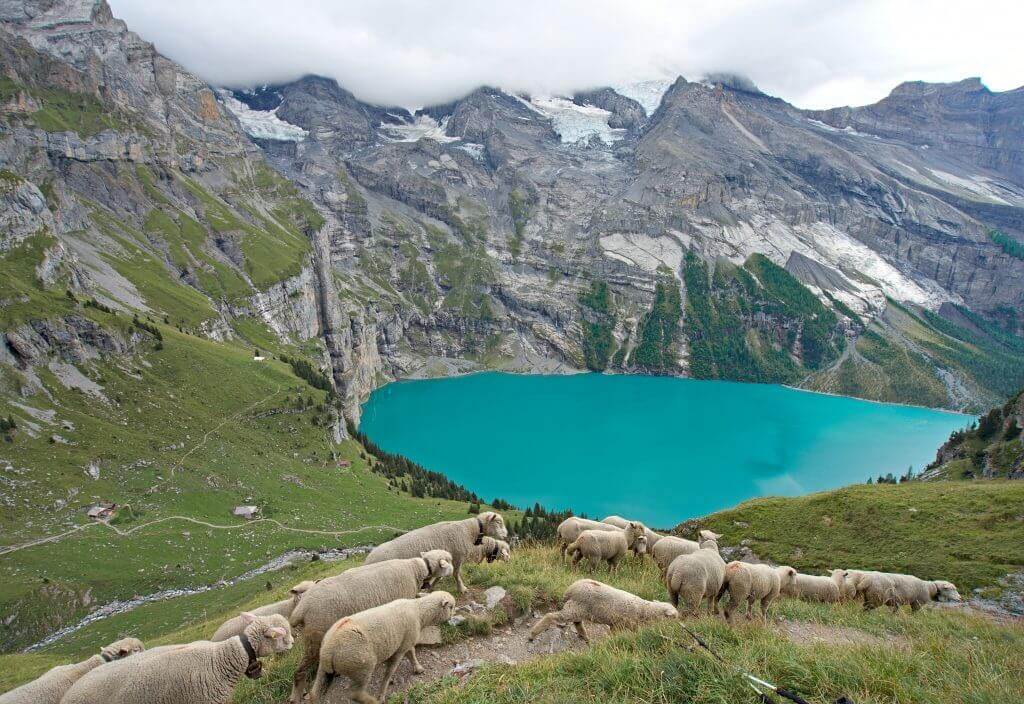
{"points": [[248, 617]]}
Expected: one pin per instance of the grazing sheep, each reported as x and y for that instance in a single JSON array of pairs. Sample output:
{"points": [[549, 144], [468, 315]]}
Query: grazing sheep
{"points": [[50, 687], [202, 672], [691, 578], [569, 530], [847, 589], [457, 537], [750, 583], [234, 626], [355, 645], [590, 600], [490, 550], [600, 545], [669, 547], [895, 590], [814, 588], [356, 590], [620, 522]]}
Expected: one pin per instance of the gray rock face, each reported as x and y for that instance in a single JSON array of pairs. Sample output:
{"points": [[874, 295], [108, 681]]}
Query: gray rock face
{"points": [[472, 234]]}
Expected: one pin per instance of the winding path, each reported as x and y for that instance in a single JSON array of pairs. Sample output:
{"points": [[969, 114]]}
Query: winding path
{"points": [[281, 526]]}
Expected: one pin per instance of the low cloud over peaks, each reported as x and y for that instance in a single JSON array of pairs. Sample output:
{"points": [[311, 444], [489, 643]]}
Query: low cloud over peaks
{"points": [[415, 53]]}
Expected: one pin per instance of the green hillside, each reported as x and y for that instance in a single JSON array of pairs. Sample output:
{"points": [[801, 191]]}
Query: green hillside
{"points": [[821, 651]]}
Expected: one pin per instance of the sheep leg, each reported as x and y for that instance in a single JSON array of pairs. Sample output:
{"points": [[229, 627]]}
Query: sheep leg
{"points": [[458, 577], [581, 631], [613, 565], [358, 689], [389, 671], [765, 605], [411, 655], [320, 685], [555, 618], [306, 669]]}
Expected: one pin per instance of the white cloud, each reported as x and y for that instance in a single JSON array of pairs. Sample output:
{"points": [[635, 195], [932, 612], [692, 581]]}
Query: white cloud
{"points": [[814, 53]]}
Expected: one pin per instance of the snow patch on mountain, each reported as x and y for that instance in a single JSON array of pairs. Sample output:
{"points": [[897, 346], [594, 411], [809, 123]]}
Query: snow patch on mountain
{"points": [[576, 123], [422, 127], [647, 93], [976, 185], [869, 276], [643, 251], [262, 124]]}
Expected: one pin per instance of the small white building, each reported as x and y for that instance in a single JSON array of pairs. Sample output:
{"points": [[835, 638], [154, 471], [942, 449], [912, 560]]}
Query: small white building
{"points": [[246, 512], [102, 511]]}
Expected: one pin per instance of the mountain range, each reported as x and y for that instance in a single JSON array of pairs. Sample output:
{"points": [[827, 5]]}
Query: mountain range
{"points": [[687, 228]]}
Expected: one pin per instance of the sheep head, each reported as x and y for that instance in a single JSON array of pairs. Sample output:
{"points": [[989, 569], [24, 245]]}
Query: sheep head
{"points": [[493, 525], [705, 534], [945, 591], [122, 648], [439, 564], [786, 575], [267, 634], [436, 608], [636, 537]]}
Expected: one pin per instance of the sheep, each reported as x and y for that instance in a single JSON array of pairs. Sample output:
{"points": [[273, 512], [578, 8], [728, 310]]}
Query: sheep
{"points": [[357, 644], [457, 537], [490, 550], [691, 578], [590, 600], [202, 672], [895, 590], [569, 530], [353, 591], [620, 522], [50, 687], [234, 626], [847, 589], [815, 588], [598, 545], [750, 583], [669, 547]]}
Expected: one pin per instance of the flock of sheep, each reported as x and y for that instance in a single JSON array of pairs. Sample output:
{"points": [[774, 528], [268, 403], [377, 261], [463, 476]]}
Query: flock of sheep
{"points": [[376, 613]]}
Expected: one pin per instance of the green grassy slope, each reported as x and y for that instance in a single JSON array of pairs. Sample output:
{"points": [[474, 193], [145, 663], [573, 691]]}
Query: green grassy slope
{"points": [[969, 532], [192, 430]]}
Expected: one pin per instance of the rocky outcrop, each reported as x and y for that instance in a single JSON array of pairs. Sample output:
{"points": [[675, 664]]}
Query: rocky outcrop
{"points": [[72, 339]]}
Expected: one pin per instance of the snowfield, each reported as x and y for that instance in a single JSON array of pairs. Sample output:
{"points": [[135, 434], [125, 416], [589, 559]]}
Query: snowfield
{"points": [[262, 124], [422, 127]]}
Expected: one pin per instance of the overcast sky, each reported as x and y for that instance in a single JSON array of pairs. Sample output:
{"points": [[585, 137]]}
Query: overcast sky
{"points": [[814, 53]]}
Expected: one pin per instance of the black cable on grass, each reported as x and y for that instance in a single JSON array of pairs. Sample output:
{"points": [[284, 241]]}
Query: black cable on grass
{"points": [[755, 683]]}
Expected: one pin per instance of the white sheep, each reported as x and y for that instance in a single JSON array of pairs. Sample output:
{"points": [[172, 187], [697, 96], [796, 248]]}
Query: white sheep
{"points": [[669, 547], [692, 578], [357, 644], [457, 537], [609, 546], [590, 600], [619, 522], [202, 672], [895, 590], [490, 550], [50, 687], [569, 530], [234, 626], [816, 588], [353, 591], [749, 583]]}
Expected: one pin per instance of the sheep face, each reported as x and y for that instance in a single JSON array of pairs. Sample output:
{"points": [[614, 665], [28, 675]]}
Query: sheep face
{"points": [[666, 610], [439, 564], [494, 525], [640, 544], [268, 634], [786, 575], [123, 648], [946, 591], [705, 535]]}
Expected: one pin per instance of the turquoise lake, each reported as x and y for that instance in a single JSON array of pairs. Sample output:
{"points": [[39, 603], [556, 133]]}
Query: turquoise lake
{"points": [[658, 449]]}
